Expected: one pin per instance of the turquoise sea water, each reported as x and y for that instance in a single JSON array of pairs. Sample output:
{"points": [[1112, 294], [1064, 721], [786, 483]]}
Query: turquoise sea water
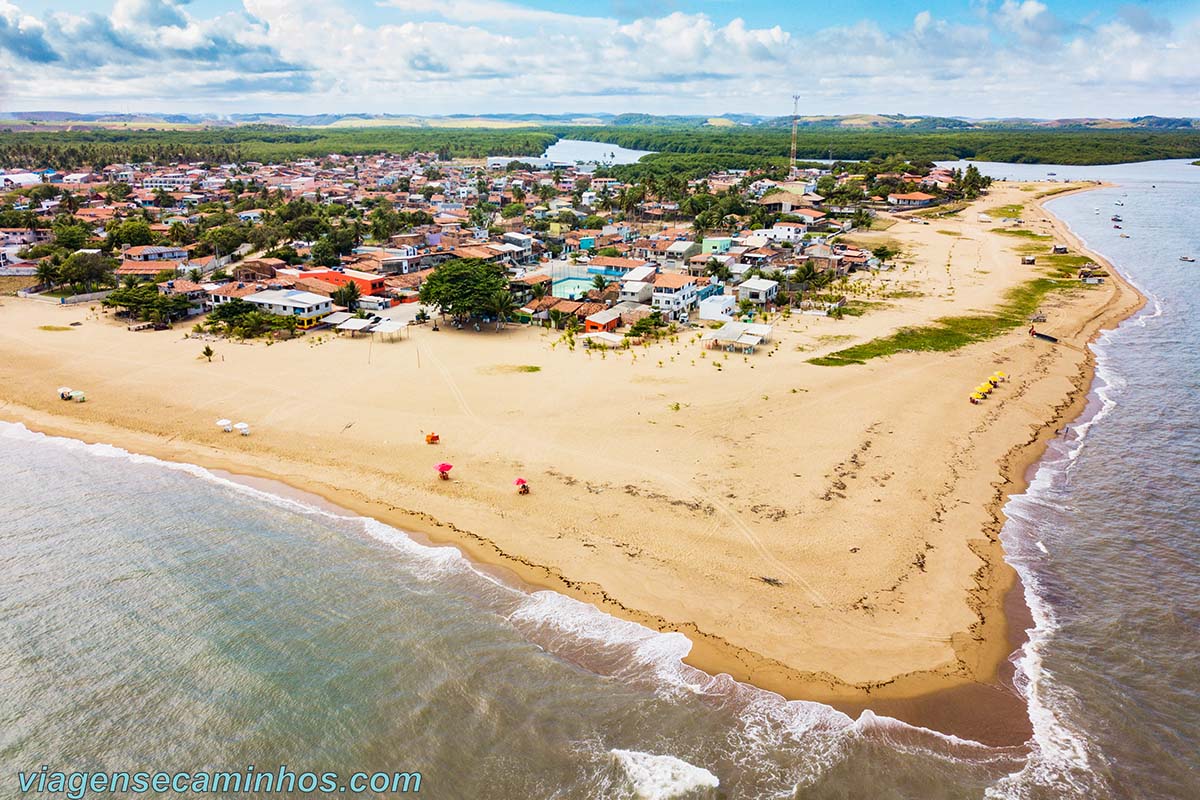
{"points": [[159, 617]]}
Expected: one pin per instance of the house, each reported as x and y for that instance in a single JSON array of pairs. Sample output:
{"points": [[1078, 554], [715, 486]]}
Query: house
{"points": [[524, 244], [783, 203], [23, 236], [368, 283], [759, 291], [673, 294], [606, 320], [307, 308], [677, 253], [635, 292], [153, 252], [174, 180], [192, 291], [145, 270], [718, 307], [911, 200], [716, 244]]}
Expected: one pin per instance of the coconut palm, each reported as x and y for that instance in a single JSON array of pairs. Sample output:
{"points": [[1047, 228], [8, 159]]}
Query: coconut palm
{"points": [[47, 274], [556, 318], [538, 290], [502, 305], [599, 282]]}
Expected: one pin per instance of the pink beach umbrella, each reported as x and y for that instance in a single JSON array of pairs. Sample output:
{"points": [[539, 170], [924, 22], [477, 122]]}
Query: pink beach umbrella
{"points": [[444, 469], [520, 482]]}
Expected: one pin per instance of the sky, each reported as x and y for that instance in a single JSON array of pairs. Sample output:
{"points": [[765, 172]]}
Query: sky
{"points": [[972, 58]]}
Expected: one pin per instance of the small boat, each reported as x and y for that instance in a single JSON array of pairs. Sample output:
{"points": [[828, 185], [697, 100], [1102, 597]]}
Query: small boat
{"points": [[1051, 173], [1124, 235], [1116, 217], [1188, 259], [1118, 227], [1119, 203]]}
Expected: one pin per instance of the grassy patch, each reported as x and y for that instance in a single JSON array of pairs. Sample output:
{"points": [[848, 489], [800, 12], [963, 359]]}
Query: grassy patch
{"points": [[510, 369], [949, 233], [950, 333], [53, 328], [1056, 190], [1011, 211], [1024, 234]]}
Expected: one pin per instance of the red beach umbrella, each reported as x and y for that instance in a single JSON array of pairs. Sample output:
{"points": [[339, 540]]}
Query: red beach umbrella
{"points": [[520, 482], [444, 467]]}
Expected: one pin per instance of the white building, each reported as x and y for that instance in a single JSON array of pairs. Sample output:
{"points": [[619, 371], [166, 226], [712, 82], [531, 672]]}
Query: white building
{"points": [[674, 294], [635, 292], [718, 307], [759, 291], [306, 307], [173, 180]]}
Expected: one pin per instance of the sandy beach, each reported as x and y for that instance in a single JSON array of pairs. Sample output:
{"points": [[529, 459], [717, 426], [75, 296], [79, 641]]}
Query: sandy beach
{"points": [[829, 533]]}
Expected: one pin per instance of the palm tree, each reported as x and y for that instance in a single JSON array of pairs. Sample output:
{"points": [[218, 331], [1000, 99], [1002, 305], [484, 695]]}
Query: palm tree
{"points": [[599, 282], [194, 275], [208, 352], [47, 274], [347, 295], [538, 290], [804, 275], [556, 318], [503, 306]]}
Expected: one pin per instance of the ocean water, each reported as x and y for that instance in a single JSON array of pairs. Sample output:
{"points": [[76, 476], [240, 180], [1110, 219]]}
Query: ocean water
{"points": [[158, 616]]}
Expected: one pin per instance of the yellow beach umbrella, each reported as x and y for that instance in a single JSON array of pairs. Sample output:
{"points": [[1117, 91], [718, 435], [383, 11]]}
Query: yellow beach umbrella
{"points": [[979, 396]]}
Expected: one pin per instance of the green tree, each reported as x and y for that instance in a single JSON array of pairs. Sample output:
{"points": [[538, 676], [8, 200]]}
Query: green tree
{"points": [[324, 253], [463, 287], [69, 235], [208, 352], [512, 210], [133, 232], [347, 295], [47, 273], [599, 282], [87, 270], [502, 305]]}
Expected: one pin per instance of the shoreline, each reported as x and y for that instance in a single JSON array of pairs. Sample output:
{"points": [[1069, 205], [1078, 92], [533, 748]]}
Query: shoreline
{"points": [[945, 700]]}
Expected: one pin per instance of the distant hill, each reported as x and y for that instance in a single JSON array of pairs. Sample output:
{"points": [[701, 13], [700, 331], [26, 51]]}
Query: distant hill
{"points": [[67, 120]]}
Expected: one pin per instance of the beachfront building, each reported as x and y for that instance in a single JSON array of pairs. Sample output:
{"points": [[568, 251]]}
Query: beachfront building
{"points": [[674, 294], [758, 291], [718, 308], [911, 200], [606, 320], [308, 308]]}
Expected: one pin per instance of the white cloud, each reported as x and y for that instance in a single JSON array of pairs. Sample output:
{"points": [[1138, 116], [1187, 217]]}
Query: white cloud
{"points": [[1015, 58]]}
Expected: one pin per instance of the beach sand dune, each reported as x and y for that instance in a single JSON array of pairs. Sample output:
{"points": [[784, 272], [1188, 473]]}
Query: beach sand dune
{"points": [[826, 532]]}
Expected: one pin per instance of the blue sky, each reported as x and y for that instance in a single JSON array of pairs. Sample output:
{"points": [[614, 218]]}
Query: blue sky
{"points": [[1044, 58]]}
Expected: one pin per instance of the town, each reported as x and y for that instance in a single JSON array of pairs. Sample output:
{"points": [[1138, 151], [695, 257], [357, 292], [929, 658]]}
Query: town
{"points": [[374, 244]]}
